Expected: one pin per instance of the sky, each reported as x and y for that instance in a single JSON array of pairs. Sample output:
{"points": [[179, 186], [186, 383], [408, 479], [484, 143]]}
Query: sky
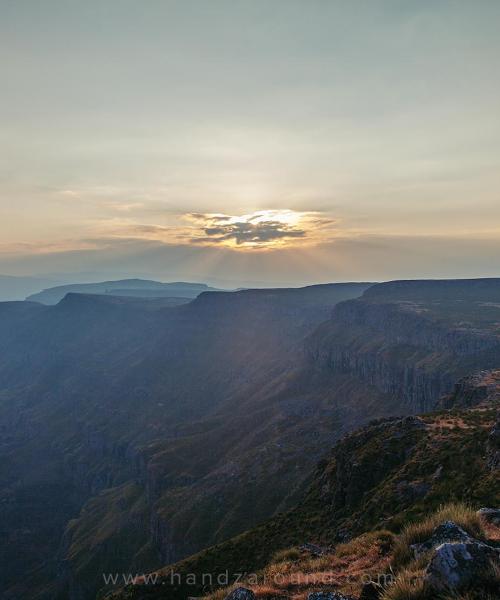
{"points": [[256, 142]]}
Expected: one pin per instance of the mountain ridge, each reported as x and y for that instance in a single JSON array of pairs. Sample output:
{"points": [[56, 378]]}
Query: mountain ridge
{"points": [[122, 287]]}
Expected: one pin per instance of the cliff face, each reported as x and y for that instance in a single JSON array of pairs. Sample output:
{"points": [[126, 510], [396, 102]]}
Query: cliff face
{"points": [[415, 351], [479, 388]]}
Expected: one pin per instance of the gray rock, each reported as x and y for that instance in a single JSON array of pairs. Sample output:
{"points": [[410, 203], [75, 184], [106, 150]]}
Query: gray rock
{"points": [[455, 565], [446, 532], [241, 593], [490, 515]]}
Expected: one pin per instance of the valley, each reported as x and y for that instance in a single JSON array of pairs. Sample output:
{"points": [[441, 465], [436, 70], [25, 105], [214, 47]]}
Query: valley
{"points": [[149, 432]]}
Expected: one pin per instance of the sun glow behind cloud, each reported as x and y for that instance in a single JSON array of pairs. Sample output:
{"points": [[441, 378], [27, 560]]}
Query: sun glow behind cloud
{"points": [[259, 230]]}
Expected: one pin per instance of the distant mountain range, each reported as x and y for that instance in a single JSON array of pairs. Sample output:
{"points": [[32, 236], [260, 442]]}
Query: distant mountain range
{"points": [[140, 288]]}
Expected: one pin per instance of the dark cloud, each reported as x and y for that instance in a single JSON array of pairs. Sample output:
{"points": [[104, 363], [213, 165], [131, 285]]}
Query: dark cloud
{"points": [[214, 230], [248, 232]]}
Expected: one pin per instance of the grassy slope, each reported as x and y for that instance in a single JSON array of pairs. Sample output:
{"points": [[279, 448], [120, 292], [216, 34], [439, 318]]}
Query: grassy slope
{"points": [[381, 477]]}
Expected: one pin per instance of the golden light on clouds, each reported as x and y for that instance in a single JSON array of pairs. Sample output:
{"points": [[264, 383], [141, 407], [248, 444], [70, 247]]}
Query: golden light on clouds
{"points": [[260, 229], [263, 229]]}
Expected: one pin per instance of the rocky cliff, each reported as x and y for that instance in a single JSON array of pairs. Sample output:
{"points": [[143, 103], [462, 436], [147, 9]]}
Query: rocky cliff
{"points": [[413, 349]]}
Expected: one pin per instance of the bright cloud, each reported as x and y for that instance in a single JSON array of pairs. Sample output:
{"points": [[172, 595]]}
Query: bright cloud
{"points": [[260, 229]]}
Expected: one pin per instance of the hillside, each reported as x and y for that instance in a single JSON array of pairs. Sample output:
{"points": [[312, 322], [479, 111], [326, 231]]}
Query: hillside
{"points": [[375, 482], [102, 392]]}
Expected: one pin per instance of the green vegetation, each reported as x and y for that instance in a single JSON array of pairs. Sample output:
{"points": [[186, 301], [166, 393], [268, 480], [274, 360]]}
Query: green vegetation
{"points": [[386, 486]]}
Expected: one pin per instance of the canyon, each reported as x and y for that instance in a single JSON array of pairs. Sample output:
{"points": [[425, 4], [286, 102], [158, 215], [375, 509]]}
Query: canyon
{"points": [[136, 433]]}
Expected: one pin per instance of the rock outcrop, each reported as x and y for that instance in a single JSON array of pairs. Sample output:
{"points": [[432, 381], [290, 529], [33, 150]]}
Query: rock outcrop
{"points": [[457, 558], [455, 565], [479, 388], [444, 533]]}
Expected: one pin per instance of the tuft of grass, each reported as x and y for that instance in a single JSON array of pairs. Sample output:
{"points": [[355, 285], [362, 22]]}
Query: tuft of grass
{"points": [[382, 538], [409, 585], [416, 533]]}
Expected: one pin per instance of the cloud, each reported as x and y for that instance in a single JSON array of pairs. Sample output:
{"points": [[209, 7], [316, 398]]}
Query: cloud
{"points": [[264, 229], [253, 233], [261, 229]]}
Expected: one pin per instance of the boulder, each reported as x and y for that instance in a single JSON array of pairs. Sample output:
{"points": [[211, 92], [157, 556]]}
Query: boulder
{"points": [[241, 593], [490, 515], [446, 532], [456, 565]]}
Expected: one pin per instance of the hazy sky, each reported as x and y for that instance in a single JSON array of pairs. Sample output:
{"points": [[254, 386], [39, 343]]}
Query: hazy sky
{"points": [[256, 141]]}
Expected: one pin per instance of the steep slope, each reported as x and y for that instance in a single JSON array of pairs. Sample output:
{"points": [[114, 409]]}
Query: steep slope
{"points": [[102, 392], [379, 479], [414, 339]]}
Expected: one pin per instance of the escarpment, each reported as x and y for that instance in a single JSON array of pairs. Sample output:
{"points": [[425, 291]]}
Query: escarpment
{"points": [[414, 350]]}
